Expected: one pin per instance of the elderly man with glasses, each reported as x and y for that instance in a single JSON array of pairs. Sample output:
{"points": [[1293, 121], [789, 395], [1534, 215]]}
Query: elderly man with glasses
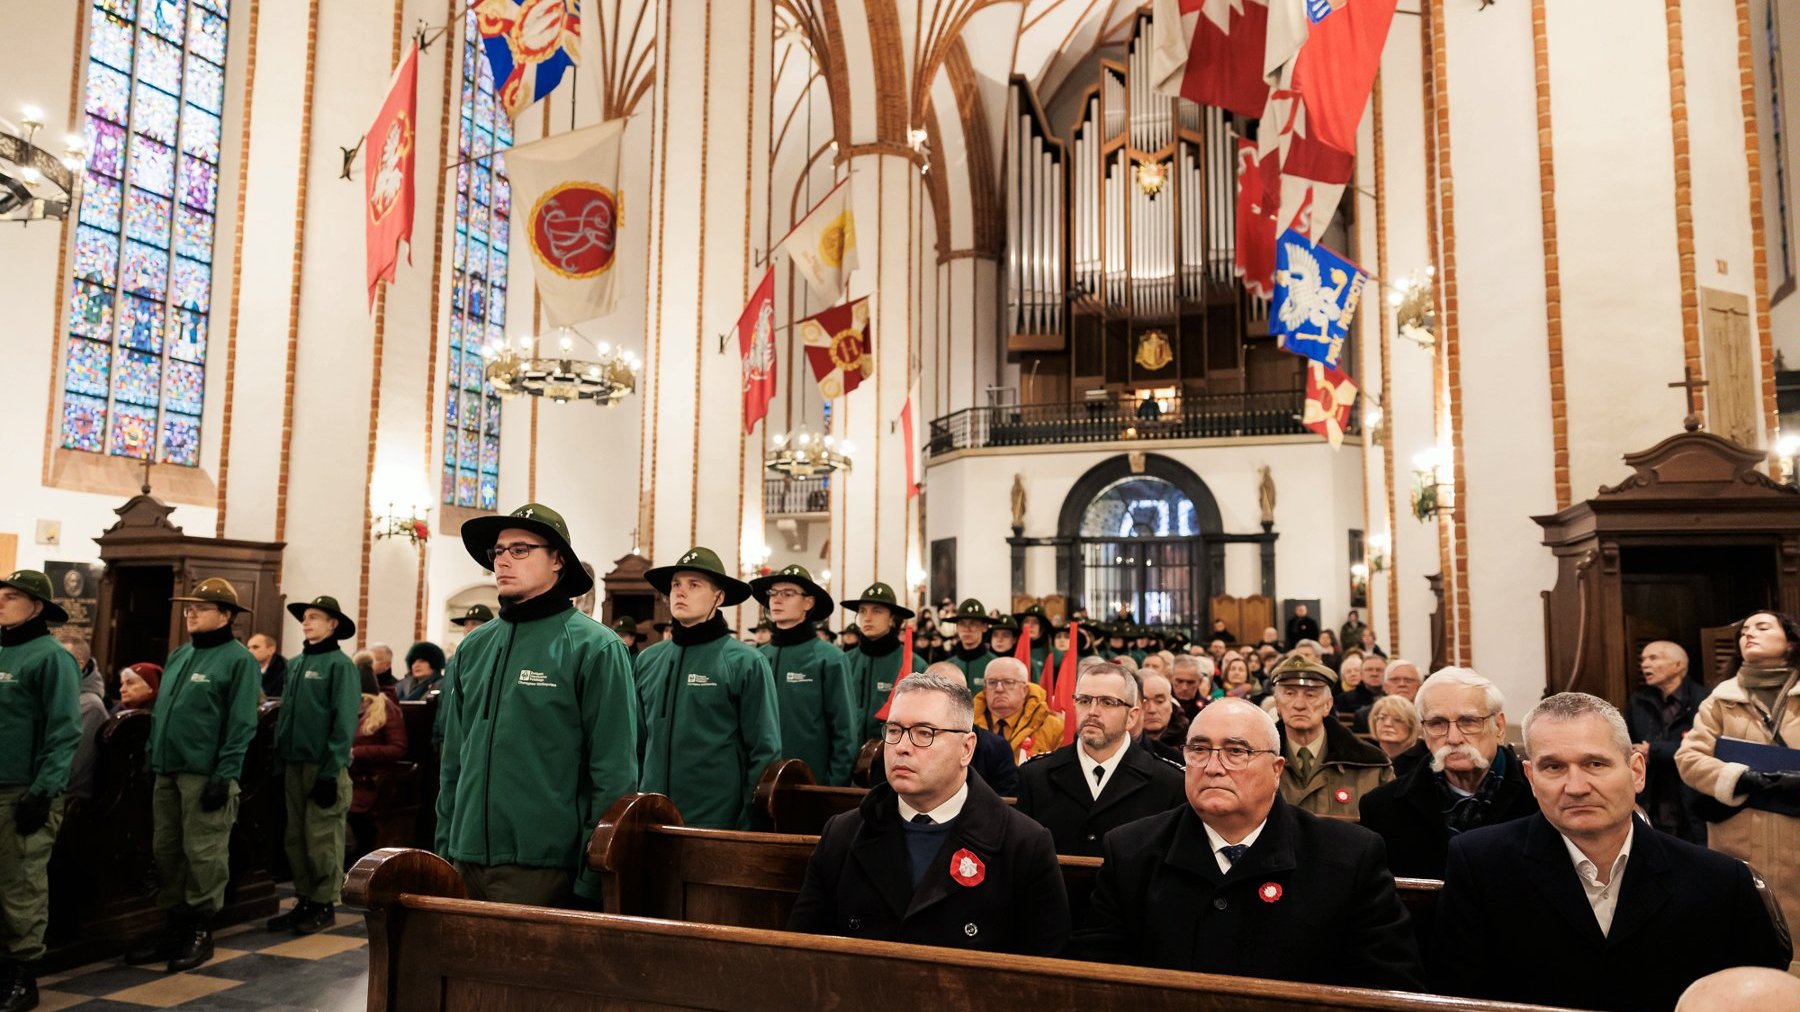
{"points": [[1080, 794], [933, 856], [1239, 881], [1013, 708]]}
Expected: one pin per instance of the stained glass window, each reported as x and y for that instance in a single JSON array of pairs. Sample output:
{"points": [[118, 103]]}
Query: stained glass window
{"points": [[477, 285], [134, 376]]}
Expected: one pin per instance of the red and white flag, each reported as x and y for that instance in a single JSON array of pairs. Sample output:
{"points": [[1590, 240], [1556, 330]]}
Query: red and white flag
{"points": [[388, 174], [1211, 52], [1256, 207], [911, 441], [756, 342], [1335, 70], [1330, 396]]}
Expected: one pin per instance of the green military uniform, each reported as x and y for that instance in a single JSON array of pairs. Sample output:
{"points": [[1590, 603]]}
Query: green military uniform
{"points": [[313, 732], [708, 708], [875, 663], [1041, 647], [972, 663], [204, 721], [812, 686], [540, 734], [40, 727]]}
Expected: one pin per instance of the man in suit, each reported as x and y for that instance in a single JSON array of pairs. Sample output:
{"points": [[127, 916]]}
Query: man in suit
{"points": [[1596, 914], [1238, 881], [934, 857], [1082, 793], [1471, 781], [1659, 715]]}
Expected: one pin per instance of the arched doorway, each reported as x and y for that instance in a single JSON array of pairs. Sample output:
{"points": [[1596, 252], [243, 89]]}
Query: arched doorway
{"points": [[1141, 541]]}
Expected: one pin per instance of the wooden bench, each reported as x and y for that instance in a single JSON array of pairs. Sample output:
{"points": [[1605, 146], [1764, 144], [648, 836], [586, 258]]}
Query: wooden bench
{"points": [[430, 948]]}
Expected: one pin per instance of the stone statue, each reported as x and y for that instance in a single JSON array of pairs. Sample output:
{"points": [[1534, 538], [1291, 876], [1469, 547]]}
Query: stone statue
{"points": [[1018, 501], [1265, 495]]}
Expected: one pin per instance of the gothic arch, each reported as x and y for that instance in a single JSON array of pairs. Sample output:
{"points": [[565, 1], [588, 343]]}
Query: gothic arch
{"points": [[1105, 473]]}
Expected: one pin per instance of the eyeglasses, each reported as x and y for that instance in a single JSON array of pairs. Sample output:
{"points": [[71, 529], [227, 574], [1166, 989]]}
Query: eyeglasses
{"points": [[518, 551], [922, 735], [1108, 702], [1005, 684], [785, 593], [1437, 727], [1232, 757]]}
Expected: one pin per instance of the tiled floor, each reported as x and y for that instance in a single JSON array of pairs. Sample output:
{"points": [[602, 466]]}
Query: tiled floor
{"points": [[273, 971]]}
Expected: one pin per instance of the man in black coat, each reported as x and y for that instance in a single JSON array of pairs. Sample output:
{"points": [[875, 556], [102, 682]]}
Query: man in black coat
{"points": [[1238, 881], [1658, 715], [934, 857], [1584, 904], [993, 762], [1301, 626], [1480, 782], [1081, 793]]}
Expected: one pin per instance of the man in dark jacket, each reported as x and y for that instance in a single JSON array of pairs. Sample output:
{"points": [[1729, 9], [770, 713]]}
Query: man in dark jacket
{"points": [[1576, 907], [1471, 781], [934, 857], [819, 722], [1658, 715], [1301, 626], [1238, 881], [994, 761], [1082, 793], [274, 666], [1329, 769]]}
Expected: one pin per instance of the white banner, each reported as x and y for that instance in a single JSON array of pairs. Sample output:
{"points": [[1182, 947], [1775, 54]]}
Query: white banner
{"points": [[567, 187]]}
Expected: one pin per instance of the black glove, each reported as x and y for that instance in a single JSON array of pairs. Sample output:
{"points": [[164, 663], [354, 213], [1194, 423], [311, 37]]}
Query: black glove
{"points": [[324, 792], [1752, 782], [214, 795], [30, 813]]}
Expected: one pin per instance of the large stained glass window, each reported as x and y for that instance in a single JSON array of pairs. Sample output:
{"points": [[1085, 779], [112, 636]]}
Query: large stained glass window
{"points": [[141, 292], [478, 285]]}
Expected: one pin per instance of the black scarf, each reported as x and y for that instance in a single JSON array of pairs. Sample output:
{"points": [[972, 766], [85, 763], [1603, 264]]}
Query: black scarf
{"points": [[970, 655], [24, 632], [217, 637], [799, 633], [531, 609], [881, 646], [321, 647], [1462, 814], [702, 632]]}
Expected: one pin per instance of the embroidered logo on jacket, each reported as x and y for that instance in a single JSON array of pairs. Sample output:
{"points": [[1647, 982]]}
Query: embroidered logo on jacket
{"points": [[697, 679], [315, 675], [7, 676], [798, 678], [535, 678], [199, 676]]}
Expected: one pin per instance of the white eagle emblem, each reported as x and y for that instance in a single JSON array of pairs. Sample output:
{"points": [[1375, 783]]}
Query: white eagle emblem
{"points": [[1308, 300]]}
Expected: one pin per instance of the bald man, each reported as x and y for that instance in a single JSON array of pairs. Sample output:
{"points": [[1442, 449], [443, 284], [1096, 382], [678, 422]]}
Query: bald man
{"points": [[1739, 988], [1658, 715]]}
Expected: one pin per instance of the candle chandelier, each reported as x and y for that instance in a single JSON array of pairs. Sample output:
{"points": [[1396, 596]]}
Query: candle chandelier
{"points": [[563, 375], [805, 454]]}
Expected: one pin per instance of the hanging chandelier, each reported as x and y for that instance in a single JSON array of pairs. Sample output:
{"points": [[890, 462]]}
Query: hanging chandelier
{"points": [[36, 185], [561, 377], [805, 454]]}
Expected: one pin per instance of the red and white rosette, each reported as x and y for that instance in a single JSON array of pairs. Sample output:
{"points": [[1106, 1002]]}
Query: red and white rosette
{"points": [[1342, 796], [1269, 892], [966, 868]]}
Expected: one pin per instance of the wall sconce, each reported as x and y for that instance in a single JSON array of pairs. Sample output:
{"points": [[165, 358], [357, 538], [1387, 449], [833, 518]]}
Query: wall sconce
{"points": [[1415, 311], [1377, 549], [1787, 447], [392, 523], [1374, 421], [1433, 492]]}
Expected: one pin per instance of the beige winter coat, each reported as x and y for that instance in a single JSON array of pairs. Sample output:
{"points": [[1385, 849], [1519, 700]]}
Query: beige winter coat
{"points": [[1770, 843]]}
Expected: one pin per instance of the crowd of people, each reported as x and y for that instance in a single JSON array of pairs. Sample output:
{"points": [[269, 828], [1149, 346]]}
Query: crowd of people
{"points": [[1252, 801]]}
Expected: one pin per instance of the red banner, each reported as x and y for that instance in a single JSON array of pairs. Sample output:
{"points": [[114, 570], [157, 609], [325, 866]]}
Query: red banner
{"points": [[756, 342], [839, 347], [388, 173]]}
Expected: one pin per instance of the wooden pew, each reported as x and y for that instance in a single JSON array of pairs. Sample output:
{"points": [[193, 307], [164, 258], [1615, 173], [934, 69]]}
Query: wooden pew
{"points": [[430, 948]]}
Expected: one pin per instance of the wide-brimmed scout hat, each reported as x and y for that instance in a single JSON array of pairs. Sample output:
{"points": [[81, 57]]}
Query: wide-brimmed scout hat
{"points": [[882, 594], [1034, 611], [346, 626], [36, 585], [1006, 622], [213, 590], [972, 610], [706, 562], [800, 577], [626, 627], [477, 613], [480, 533]]}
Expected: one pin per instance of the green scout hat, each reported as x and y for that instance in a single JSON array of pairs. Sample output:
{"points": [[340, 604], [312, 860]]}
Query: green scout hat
{"points": [[882, 594], [477, 613], [706, 562], [972, 609], [346, 626], [626, 627], [480, 533], [800, 577], [830, 633], [36, 585], [1035, 611], [1008, 623], [213, 590], [1300, 671]]}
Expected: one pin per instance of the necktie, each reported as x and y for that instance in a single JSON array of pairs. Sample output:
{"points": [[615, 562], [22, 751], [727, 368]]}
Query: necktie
{"points": [[1099, 771], [1233, 851], [921, 819], [1303, 765], [1001, 730]]}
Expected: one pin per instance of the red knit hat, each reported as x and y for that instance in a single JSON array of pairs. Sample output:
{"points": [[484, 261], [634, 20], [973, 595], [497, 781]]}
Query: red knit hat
{"points": [[150, 673]]}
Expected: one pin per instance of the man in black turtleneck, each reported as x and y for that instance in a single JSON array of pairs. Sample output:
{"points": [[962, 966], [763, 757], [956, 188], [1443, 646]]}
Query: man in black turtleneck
{"points": [[710, 716], [812, 679], [875, 663]]}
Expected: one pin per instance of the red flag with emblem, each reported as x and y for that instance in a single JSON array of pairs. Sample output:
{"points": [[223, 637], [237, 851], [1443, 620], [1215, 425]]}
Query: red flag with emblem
{"points": [[838, 347], [565, 194], [388, 174], [756, 340], [1330, 395], [906, 658]]}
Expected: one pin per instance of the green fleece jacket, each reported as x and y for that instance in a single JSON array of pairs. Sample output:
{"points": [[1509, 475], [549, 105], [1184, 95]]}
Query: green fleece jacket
{"points": [[874, 668], [710, 723], [319, 703], [973, 665], [540, 738], [818, 720], [40, 717], [205, 716]]}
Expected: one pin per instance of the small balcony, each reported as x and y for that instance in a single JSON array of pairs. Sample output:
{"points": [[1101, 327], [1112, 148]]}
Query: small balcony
{"points": [[796, 497], [1196, 416]]}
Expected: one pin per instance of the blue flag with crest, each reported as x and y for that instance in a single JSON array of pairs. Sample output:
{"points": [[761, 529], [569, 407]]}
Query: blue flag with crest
{"points": [[1316, 295]]}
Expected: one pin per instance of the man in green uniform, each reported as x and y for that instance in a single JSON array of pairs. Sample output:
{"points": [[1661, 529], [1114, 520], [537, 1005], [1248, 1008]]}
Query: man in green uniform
{"points": [[313, 732], [1003, 636], [477, 616], [40, 727], [875, 663], [204, 721], [1034, 625], [812, 678], [710, 723], [627, 629], [540, 722], [971, 654]]}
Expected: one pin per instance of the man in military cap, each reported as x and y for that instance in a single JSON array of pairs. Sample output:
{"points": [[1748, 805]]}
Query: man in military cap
{"points": [[709, 710], [1034, 626], [875, 664], [204, 721], [40, 728], [477, 616], [1003, 636], [971, 654], [819, 722], [313, 732], [1329, 769], [540, 721]]}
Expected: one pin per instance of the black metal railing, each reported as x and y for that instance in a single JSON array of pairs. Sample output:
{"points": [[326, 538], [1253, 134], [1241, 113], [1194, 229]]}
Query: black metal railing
{"points": [[788, 496], [1263, 413]]}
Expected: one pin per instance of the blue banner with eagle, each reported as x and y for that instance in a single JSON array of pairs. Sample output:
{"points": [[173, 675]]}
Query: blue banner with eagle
{"points": [[529, 44], [1316, 294]]}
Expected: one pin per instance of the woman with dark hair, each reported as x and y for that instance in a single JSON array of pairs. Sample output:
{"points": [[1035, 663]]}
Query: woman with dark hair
{"points": [[1758, 703], [380, 739]]}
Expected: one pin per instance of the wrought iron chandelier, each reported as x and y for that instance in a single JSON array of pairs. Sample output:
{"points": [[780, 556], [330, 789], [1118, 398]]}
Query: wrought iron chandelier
{"points": [[561, 377], [36, 185], [805, 454]]}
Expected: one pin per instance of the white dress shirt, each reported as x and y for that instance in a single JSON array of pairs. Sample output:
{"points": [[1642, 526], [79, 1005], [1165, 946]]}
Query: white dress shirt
{"points": [[943, 813], [1602, 896], [1088, 763], [1219, 843]]}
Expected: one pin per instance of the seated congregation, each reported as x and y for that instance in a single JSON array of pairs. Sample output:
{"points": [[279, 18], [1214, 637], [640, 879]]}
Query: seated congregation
{"points": [[1147, 810]]}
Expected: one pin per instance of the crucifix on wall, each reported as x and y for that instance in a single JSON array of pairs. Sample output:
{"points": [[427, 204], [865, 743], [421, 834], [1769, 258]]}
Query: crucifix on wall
{"points": [[1692, 384]]}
